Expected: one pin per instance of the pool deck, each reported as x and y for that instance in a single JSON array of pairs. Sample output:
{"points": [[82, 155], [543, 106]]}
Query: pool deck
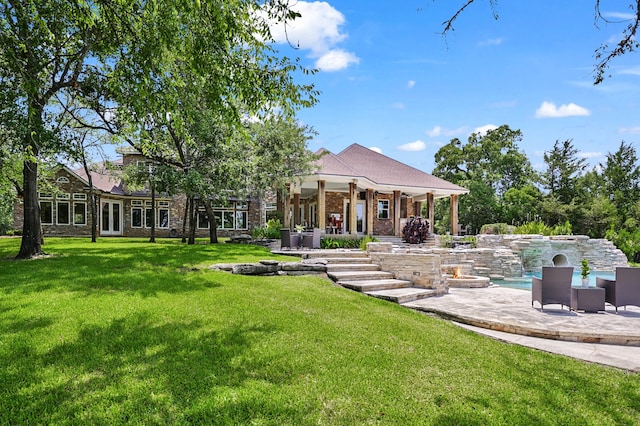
{"points": [[505, 313]]}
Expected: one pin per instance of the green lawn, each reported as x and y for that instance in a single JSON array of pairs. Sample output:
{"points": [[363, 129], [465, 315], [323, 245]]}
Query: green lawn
{"points": [[123, 331]]}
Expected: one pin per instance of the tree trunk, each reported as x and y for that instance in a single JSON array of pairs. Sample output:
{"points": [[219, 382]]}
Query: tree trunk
{"points": [[187, 209], [152, 239], [93, 201], [213, 226], [31, 244], [192, 222]]}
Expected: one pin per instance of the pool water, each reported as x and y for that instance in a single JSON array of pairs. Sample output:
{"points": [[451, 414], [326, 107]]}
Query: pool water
{"points": [[524, 282]]}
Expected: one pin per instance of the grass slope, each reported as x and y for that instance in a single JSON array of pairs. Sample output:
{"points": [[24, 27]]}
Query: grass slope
{"points": [[123, 331]]}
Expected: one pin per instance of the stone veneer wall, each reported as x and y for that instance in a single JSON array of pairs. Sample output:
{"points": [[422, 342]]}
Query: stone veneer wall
{"points": [[495, 263], [537, 251], [423, 270]]}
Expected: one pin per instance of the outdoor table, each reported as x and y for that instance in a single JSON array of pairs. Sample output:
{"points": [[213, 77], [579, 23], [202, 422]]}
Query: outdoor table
{"points": [[588, 299]]}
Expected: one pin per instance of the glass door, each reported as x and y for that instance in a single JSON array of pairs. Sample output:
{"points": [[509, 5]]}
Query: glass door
{"points": [[361, 217], [110, 217]]}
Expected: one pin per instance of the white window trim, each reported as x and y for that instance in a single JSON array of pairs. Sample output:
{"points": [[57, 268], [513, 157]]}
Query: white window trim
{"points": [[73, 214], [387, 209], [51, 208], [58, 203]]}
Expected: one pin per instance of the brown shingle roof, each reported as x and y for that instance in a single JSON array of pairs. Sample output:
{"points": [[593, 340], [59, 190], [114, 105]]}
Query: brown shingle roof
{"points": [[359, 162], [103, 179]]}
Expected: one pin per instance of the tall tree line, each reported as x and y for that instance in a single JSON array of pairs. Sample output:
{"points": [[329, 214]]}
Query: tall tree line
{"points": [[602, 201]]}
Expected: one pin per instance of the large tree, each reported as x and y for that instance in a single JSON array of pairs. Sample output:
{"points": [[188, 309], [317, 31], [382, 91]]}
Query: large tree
{"points": [[129, 56], [621, 179], [489, 165], [564, 168]]}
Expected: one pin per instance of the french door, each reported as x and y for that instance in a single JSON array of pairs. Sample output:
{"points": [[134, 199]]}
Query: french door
{"points": [[110, 217], [361, 217]]}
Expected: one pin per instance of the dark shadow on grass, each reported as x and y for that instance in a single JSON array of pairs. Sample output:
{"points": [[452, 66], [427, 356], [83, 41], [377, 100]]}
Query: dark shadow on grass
{"points": [[133, 370]]}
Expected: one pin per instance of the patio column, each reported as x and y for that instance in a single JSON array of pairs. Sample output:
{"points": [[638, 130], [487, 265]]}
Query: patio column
{"points": [[430, 211], [396, 213], [370, 211], [296, 209], [353, 205], [322, 205], [286, 207], [454, 214]]}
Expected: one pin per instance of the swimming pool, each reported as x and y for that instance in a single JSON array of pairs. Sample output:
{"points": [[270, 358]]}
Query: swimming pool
{"points": [[524, 282]]}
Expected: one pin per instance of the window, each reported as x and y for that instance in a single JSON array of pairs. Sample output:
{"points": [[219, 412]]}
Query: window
{"points": [[63, 196], [148, 217], [136, 213], [46, 212], [79, 213], [203, 220], [383, 209], [79, 196], [241, 220], [163, 214], [163, 218], [136, 217], [143, 216], [230, 216], [62, 179], [62, 213]]}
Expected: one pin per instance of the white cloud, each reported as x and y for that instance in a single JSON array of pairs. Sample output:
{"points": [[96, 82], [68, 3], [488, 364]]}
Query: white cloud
{"points": [[413, 146], [318, 30], [375, 149], [491, 42], [441, 131], [483, 130], [411, 83], [335, 60], [630, 71], [550, 110], [630, 130], [398, 105]]}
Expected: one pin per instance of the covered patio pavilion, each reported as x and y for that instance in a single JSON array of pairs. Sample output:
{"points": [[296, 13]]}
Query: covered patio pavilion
{"points": [[360, 191]]}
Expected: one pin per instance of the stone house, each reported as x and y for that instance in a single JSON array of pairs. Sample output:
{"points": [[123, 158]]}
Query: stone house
{"points": [[359, 191], [124, 212]]}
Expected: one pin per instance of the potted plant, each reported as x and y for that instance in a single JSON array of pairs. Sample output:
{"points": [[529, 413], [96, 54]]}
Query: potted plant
{"points": [[585, 272]]}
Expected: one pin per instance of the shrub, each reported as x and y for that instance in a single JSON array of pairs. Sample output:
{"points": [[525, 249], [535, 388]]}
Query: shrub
{"points": [[539, 227], [367, 239], [271, 231], [345, 241], [536, 227], [496, 228]]}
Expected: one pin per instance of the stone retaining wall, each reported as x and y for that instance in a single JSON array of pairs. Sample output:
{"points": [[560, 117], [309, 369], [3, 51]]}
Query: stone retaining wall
{"points": [[537, 251], [423, 270]]}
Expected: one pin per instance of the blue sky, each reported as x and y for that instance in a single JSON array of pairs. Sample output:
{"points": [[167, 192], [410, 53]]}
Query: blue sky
{"points": [[391, 81]]}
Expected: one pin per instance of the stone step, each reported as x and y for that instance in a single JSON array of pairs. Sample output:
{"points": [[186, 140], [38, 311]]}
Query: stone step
{"points": [[340, 260], [374, 285], [338, 276], [336, 254], [331, 267], [403, 295]]}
